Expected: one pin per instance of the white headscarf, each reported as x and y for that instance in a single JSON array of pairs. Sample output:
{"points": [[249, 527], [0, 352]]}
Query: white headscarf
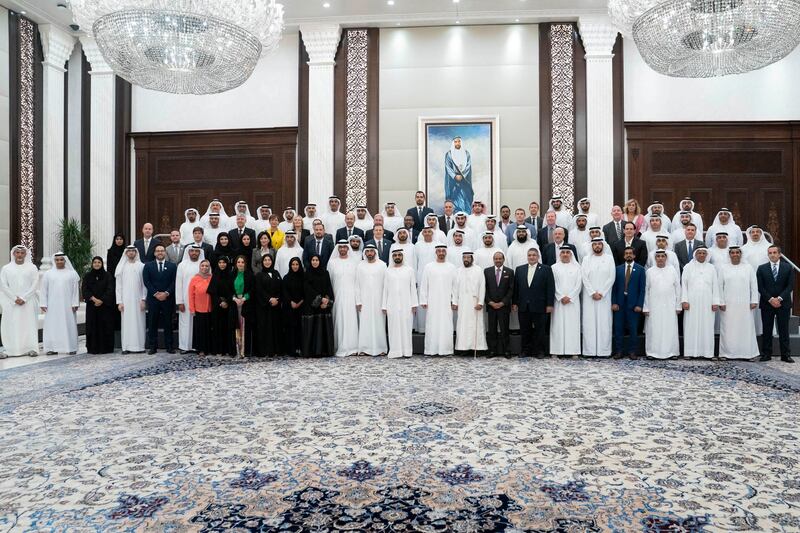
{"points": [[123, 262], [28, 258], [364, 224], [247, 214], [459, 155], [185, 258], [754, 252], [355, 255], [223, 217]]}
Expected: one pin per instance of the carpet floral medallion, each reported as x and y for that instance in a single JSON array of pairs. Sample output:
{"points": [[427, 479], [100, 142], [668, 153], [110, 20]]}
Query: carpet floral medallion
{"points": [[421, 445]]}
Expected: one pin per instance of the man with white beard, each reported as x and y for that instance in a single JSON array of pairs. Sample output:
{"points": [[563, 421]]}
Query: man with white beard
{"points": [[484, 256], [363, 218], [461, 225], [457, 247], [334, 218], [662, 243], [739, 298], [402, 241], [687, 206], [719, 252], [432, 222], [662, 305], [131, 300], [391, 219], [187, 269], [286, 252], [518, 249], [700, 302], [656, 210], [345, 320], [399, 304], [724, 223], [424, 254], [652, 233], [437, 296], [371, 274], [311, 215], [563, 215], [565, 322], [476, 221], [191, 216], [584, 206], [288, 217], [598, 273], [213, 229], [59, 301], [18, 282], [470, 291], [499, 235], [241, 208]]}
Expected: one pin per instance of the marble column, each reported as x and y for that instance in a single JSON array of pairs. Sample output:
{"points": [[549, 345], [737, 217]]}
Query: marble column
{"points": [[101, 147], [321, 42], [598, 36], [57, 46]]}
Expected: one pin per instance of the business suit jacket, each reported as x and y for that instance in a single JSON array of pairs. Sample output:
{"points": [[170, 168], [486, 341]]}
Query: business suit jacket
{"points": [[499, 293], [542, 240], [639, 251], [636, 287], [682, 251], [419, 222], [443, 223], [610, 232], [537, 297], [233, 236], [175, 257], [208, 252], [550, 253], [155, 281], [341, 233], [310, 248], [769, 287], [387, 245], [536, 222], [145, 256], [370, 235]]}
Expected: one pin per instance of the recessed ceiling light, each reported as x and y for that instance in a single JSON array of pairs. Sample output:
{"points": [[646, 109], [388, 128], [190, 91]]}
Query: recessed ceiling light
{"points": [[390, 2], [23, 12], [458, 22], [516, 20], [326, 4]]}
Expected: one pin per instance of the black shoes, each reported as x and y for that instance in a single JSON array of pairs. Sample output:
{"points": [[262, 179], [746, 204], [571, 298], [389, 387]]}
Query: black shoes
{"points": [[151, 352], [765, 358], [171, 351], [787, 359]]}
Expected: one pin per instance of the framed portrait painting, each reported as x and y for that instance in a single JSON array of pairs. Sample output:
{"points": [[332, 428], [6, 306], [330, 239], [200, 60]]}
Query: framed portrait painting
{"points": [[459, 160]]}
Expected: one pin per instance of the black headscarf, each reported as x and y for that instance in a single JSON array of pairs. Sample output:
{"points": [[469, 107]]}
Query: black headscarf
{"points": [[98, 283], [114, 254], [317, 279], [293, 282], [220, 250], [218, 286]]}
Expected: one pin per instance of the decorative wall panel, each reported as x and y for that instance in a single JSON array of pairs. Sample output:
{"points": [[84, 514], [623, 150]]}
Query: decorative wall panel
{"points": [[26, 188], [357, 91], [562, 94]]}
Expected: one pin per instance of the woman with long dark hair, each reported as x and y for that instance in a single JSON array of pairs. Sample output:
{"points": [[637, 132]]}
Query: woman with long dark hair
{"points": [[317, 318], [243, 284], [200, 307], [268, 309], [263, 247], [293, 298], [221, 291], [99, 294]]}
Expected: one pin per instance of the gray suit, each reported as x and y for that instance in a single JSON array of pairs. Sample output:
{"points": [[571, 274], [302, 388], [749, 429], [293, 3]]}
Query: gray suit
{"points": [[682, 252], [173, 255]]}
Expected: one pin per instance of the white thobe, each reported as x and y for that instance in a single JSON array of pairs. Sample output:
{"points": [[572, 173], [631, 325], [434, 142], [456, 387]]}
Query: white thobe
{"points": [[392, 223], [737, 331], [598, 273], [477, 223], [700, 289], [18, 326], [424, 254], [697, 220], [500, 239], [284, 226], [187, 232], [210, 234], [308, 222], [364, 224], [399, 299], [186, 271], [469, 236], [333, 222], [564, 218], [677, 236], [578, 238], [662, 300], [455, 255], [649, 237], [565, 322], [59, 294], [518, 253], [592, 219], [470, 290], [672, 260], [734, 234], [284, 255], [755, 253], [719, 257], [131, 292], [345, 317], [369, 295], [260, 226], [409, 257], [484, 257], [437, 291]]}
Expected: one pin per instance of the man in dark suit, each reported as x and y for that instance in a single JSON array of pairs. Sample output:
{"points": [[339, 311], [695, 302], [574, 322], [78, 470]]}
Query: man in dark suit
{"points": [[370, 233], [448, 220], [612, 232], [499, 292], [534, 297], [147, 244], [627, 300], [419, 211], [775, 285], [321, 244], [685, 249], [349, 228], [159, 280], [381, 243], [546, 234], [235, 235], [533, 218], [629, 240], [553, 250]]}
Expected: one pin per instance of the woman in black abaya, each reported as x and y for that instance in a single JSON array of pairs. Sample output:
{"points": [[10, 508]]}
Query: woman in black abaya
{"points": [[98, 293], [317, 318], [268, 309]]}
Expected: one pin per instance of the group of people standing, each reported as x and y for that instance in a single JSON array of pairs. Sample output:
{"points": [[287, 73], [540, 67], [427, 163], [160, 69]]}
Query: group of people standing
{"points": [[350, 283]]}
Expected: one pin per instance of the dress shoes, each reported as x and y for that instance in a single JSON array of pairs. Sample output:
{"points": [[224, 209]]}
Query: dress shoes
{"points": [[633, 356], [171, 351], [787, 359], [617, 355], [765, 358], [125, 352], [151, 352]]}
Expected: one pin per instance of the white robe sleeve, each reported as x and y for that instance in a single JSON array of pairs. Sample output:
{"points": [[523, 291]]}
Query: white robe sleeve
{"points": [[180, 287], [43, 293], [27, 295], [716, 298], [423, 289], [587, 283], [677, 289], [454, 290], [647, 285], [359, 287], [611, 275], [685, 285], [76, 292], [412, 289], [754, 294], [118, 289], [481, 289]]}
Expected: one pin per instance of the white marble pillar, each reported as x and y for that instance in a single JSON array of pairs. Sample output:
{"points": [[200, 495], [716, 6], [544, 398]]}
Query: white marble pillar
{"points": [[57, 46], [101, 148], [321, 42], [598, 36]]}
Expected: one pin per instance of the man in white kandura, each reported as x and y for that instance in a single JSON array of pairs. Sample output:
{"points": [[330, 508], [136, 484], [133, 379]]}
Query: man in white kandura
{"points": [[391, 219], [363, 218], [399, 305], [718, 254], [215, 207], [369, 301], [470, 291], [59, 300], [345, 317], [188, 268], [484, 256], [662, 243], [131, 298], [213, 229], [285, 253], [724, 222], [700, 302], [653, 232], [436, 296], [738, 308], [461, 226], [432, 221], [192, 220], [584, 208], [402, 241], [499, 235], [563, 215], [662, 304], [310, 211], [598, 273], [755, 253], [456, 248], [518, 249], [656, 209], [334, 218], [424, 254], [565, 322], [687, 206], [241, 208], [18, 282]]}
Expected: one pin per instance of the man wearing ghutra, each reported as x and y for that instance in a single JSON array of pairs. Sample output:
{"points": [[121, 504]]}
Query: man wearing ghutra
{"points": [[458, 176], [58, 299]]}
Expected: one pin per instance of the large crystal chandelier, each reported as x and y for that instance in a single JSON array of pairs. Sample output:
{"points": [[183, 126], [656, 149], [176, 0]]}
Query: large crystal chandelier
{"points": [[182, 46], [705, 38], [623, 13]]}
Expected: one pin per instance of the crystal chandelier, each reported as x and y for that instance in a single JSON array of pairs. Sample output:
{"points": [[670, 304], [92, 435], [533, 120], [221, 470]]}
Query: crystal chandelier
{"points": [[705, 38], [623, 13], [182, 46]]}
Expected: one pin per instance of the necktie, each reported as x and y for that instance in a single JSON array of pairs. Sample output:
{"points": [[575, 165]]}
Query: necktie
{"points": [[497, 277], [241, 232], [531, 272], [775, 271], [449, 224], [550, 235], [380, 247], [689, 248], [619, 230], [627, 277], [349, 233], [319, 247], [160, 267], [419, 210]]}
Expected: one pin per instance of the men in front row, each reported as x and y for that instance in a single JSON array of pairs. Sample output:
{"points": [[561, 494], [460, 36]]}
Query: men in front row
{"points": [[598, 273], [158, 277], [499, 282], [371, 274], [662, 304], [627, 301], [469, 293], [59, 302], [775, 284], [534, 296], [399, 305], [700, 302], [18, 282], [437, 297], [565, 323], [739, 298]]}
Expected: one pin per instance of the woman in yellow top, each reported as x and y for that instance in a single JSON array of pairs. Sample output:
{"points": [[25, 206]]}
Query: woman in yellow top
{"points": [[275, 234]]}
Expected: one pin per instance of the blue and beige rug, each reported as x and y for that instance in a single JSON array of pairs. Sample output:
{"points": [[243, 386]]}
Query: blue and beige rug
{"points": [[157, 443]]}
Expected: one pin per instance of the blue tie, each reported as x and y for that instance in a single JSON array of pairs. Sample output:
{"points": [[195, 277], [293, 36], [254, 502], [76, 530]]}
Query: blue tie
{"points": [[689, 246], [775, 271]]}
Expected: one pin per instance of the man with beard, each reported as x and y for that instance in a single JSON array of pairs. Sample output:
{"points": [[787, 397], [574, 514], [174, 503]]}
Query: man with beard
{"points": [[399, 304]]}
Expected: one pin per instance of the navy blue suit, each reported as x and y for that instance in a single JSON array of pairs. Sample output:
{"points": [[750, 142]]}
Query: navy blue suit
{"points": [[341, 233], [310, 248], [769, 287], [145, 256], [159, 313], [532, 302], [626, 318], [419, 221], [387, 245]]}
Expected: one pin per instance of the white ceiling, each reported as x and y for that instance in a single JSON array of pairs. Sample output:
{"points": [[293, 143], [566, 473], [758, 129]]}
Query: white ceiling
{"points": [[378, 12]]}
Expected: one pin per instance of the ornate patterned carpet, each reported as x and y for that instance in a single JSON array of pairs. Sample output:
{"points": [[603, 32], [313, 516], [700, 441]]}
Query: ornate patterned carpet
{"points": [[113, 443]]}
